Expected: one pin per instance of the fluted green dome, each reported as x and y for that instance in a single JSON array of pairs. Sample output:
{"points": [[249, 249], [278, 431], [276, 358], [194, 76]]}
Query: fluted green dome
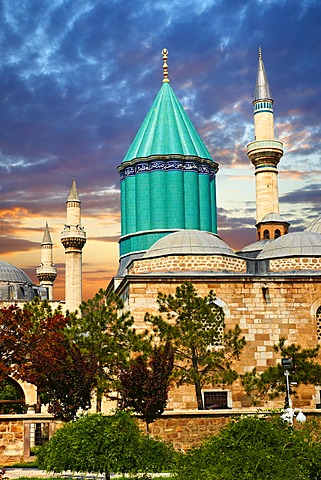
{"points": [[167, 130], [167, 177]]}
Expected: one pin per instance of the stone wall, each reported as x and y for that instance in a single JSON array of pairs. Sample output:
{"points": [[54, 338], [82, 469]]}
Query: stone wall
{"points": [[17, 436], [266, 309], [187, 429], [295, 264], [188, 262], [11, 440]]}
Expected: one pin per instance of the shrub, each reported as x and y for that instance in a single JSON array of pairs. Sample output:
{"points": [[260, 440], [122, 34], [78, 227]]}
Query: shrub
{"points": [[254, 449], [102, 444]]}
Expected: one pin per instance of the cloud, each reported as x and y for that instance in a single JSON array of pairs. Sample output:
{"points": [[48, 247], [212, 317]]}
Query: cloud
{"points": [[13, 245], [78, 78]]}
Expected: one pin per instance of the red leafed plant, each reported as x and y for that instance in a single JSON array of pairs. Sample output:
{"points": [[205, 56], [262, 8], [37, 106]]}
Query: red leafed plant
{"points": [[145, 384]]}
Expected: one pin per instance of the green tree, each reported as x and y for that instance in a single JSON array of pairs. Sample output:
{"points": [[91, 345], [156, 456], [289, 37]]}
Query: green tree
{"points": [[271, 383], [204, 352], [105, 330], [145, 384], [104, 444], [255, 449]]}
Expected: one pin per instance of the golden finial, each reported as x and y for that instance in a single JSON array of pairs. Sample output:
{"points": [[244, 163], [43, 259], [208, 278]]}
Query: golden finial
{"points": [[165, 66]]}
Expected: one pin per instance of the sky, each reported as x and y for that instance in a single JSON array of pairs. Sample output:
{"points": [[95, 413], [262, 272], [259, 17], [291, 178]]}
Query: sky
{"points": [[77, 78]]}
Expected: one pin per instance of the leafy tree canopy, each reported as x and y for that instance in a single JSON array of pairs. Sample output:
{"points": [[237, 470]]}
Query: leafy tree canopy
{"points": [[15, 326], [37, 350], [204, 351], [106, 330], [145, 384], [104, 444], [255, 449], [271, 383]]}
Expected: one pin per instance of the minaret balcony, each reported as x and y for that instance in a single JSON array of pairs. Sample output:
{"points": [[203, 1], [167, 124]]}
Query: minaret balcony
{"points": [[261, 151], [46, 272], [73, 237]]}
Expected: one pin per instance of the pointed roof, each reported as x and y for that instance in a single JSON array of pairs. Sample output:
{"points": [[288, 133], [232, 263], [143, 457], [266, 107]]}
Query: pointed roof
{"points": [[262, 88], [46, 240], [167, 130], [73, 195]]}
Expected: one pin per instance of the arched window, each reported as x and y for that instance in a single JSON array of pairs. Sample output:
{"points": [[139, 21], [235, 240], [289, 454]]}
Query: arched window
{"points": [[318, 322], [277, 233], [12, 399], [266, 235]]}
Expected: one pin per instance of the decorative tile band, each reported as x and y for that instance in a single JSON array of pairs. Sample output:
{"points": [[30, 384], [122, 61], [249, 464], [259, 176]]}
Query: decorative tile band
{"points": [[164, 166]]}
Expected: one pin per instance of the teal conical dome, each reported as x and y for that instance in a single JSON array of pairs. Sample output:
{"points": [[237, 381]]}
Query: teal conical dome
{"points": [[167, 177], [167, 130]]}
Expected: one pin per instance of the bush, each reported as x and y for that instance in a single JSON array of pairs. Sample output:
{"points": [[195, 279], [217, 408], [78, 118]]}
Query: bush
{"points": [[254, 449], [102, 444]]}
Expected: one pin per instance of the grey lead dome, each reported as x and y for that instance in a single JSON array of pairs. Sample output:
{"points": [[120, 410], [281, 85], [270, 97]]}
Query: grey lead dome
{"points": [[297, 244], [186, 242], [10, 273]]}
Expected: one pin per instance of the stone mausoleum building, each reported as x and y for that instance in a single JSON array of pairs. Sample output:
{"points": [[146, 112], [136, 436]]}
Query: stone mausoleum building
{"points": [[270, 288]]}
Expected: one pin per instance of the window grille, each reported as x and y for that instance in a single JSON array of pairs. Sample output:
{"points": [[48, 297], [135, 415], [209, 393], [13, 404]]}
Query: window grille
{"points": [[215, 400], [318, 322], [39, 435]]}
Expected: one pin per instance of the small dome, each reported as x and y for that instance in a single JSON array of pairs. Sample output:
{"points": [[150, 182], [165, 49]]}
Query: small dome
{"points": [[189, 242], [256, 246], [314, 226], [272, 217], [12, 274], [295, 244]]}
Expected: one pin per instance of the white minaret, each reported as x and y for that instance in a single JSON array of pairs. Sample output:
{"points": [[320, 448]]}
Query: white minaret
{"points": [[265, 153], [73, 239], [47, 272]]}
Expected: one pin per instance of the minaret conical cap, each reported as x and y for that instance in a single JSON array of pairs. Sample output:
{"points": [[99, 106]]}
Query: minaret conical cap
{"points": [[262, 88], [46, 240], [73, 195]]}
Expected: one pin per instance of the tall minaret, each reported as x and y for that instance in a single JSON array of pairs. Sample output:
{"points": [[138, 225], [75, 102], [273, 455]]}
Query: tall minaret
{"points": [[265, 153], [47, 272], [73, 239]]}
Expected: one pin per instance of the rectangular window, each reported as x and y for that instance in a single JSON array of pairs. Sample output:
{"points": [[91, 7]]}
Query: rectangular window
{"points": [[39, 435], [215, 400]]}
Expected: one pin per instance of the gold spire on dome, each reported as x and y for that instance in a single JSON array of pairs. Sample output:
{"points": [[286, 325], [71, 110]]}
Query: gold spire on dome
{"points": [[165, 66]]}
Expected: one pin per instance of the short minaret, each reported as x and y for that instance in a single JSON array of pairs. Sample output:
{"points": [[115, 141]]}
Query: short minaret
{"points": [[265, 153], [73, 239], [47, 272]]}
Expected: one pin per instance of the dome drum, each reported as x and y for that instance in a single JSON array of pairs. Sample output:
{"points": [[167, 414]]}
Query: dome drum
{"points": [[188, 263]]}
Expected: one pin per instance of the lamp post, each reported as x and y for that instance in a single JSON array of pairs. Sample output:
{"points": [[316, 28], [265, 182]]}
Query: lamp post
{"points": [[290, 412]]}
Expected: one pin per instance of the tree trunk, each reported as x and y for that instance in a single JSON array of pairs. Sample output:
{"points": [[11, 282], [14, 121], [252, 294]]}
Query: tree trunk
{"points": [[107, 476], [198, 391], [98, 402], [197, 384]]}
